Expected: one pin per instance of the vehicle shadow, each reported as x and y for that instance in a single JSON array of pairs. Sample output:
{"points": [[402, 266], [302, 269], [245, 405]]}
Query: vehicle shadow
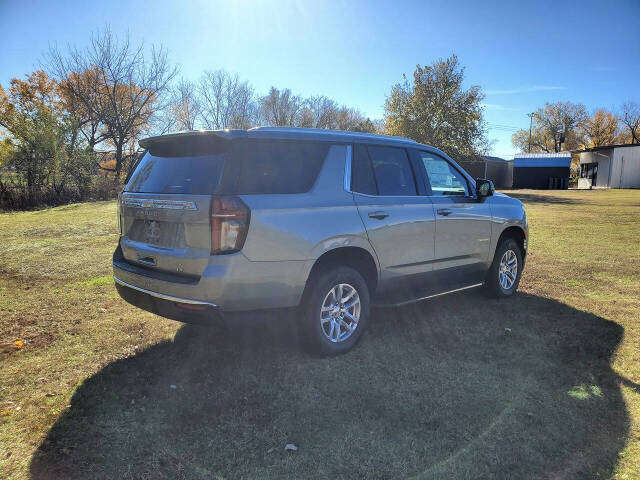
{"points": [[536, 198], [457, 387]]}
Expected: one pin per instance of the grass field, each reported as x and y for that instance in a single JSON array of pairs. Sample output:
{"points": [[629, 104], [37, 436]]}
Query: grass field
{"points": [[542, 385]]}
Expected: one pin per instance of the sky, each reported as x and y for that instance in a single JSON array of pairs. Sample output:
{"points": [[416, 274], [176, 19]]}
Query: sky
{"points": [[522, 54]]}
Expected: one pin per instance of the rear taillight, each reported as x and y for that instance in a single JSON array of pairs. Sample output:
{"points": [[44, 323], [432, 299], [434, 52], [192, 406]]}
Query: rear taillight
{"points": [[229, 224]]}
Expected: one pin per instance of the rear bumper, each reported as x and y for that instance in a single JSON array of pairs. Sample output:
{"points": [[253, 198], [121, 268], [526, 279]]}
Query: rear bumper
{"points": [[175, 308], [230, 283], [199, 313], [162, 296]]}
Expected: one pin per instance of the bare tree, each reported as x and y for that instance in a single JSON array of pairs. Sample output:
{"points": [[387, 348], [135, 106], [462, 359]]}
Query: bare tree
{"points": [[184, 108], [281, 108], [318, 112], [630, 118], [322, 112], [226, 102], [117, 83], [88, 122], [349, 119]]}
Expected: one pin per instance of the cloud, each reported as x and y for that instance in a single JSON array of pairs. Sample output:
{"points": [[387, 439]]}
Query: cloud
{"points": [[532, 88], [495, 106]]}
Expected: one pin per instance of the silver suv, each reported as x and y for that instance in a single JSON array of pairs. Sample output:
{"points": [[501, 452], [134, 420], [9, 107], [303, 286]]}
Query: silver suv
{"points": [[215, 223]]}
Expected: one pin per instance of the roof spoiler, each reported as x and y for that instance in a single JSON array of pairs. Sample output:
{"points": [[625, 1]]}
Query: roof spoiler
{"points": [[195, 142]]}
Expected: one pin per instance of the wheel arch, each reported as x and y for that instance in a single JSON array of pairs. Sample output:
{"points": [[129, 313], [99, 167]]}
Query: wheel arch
{"points": [[358, 258], [516, 233]]}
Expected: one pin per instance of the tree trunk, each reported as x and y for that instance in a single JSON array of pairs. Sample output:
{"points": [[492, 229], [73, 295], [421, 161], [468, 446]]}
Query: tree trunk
{"points": [[118, 161]]}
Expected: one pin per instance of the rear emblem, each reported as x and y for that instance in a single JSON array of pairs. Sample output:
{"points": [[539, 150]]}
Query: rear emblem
{"points": [[152, 231]]}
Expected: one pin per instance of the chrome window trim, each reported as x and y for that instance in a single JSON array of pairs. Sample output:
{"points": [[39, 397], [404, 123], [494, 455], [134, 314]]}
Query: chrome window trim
{"points": [[347, 176], [347, 169], [389, 196], [162, 295]]}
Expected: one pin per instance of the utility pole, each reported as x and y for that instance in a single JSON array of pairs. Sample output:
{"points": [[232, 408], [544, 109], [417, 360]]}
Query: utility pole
{"points": [[530, 115]]}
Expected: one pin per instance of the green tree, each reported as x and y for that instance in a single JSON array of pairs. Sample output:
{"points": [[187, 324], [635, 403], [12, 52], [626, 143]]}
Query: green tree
{"points": [[545, 127], [437, 110], [42, 142]]}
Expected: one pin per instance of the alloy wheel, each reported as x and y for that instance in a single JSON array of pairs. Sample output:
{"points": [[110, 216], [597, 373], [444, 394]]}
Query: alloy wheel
{"points": [[508, 270], [340, 312]]}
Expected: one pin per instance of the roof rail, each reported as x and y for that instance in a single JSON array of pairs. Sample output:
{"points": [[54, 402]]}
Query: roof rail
{"points": [[324, 131]]}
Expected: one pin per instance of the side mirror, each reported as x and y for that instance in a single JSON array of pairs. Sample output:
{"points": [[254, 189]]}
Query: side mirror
{"points": [[484, 188]]}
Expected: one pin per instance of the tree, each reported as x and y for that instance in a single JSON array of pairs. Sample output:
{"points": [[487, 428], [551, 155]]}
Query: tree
{"points": [[116, 83], [545, 127], [601, 129], [184, 107], [6, 152], [318, 112], [322, 112], [350, 119], [435, 109], [281, 108], [43, 142], [226, 102], [630, 118], [88, 121], [366, 126]]}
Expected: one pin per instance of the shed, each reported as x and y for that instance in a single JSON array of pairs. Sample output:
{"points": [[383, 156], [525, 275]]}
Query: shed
{"points": [[496, 169], [544, 171], [612, 166]]}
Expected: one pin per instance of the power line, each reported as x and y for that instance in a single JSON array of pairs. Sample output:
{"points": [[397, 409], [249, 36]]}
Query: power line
{"points": [[503, 128], [502, 125]]}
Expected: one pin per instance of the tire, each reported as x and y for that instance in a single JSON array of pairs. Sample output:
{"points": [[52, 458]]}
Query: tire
{"points": [[495, 285], [319, 311]]}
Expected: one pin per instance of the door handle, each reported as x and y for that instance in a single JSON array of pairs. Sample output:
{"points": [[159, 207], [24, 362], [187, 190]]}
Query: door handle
{"points": [[444, 212], [378, 215]]}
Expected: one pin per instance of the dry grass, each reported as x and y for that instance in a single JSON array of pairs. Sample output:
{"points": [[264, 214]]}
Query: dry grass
{"points": [[543, 385]]}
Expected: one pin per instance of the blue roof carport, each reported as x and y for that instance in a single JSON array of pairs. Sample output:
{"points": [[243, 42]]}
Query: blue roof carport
{"points": [[543, 171]]}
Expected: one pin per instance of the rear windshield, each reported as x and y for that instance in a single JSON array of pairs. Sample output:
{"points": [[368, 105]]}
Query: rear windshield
{"points": [[279, 167], [257, 167], [191, 175]]}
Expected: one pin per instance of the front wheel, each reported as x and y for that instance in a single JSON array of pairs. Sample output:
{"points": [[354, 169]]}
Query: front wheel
{"points": [[504, 275], [335, 310]]}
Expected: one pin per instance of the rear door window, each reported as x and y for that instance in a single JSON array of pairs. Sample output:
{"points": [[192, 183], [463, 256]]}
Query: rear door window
{"points": [[392, 171], [362, 180], [191, 175], [279, 167]]}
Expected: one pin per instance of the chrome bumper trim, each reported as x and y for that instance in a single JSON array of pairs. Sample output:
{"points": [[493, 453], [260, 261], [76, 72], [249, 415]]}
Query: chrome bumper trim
{"points": [[162, 295]]}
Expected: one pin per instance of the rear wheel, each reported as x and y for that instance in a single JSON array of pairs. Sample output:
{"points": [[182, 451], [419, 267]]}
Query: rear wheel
{"points": [[504, 275], [335, 311]]}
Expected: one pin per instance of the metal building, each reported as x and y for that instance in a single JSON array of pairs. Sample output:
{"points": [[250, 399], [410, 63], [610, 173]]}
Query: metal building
{"points": [[544, 171], [496, 169], [612, 166]]}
